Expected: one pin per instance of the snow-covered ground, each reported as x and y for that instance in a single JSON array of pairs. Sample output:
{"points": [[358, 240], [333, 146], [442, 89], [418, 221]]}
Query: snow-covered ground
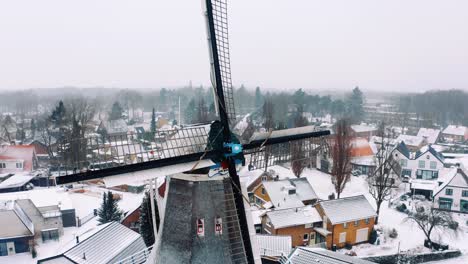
{"points": [[84, 204]]}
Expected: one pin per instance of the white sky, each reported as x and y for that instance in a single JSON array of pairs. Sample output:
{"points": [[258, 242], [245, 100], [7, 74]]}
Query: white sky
{"points": [[332, 44]]}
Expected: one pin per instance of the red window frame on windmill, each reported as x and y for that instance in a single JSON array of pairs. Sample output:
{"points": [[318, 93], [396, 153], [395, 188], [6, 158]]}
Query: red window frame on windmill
{"points": [[201, 227], [218, 226]]}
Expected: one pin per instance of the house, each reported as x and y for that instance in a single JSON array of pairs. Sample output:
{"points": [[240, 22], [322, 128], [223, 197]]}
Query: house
{"points": [[306, 255], [116, 240], [47, 208], [284, 194], [131, 219], [452, 195], [298, 223], [17, 158], [17, 230], [413, 143], [363, 130], [430, 135], [113, 128], [273, 247], [455, 134], [346, 221], [421, 168], [362, 156]]}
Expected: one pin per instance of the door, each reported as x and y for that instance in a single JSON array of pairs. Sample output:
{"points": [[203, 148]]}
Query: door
{"points": [[362, 235]]}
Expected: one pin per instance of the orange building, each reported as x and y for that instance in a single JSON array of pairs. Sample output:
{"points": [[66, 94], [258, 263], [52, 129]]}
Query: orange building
{"points": [[298, 223], [347, 220]]}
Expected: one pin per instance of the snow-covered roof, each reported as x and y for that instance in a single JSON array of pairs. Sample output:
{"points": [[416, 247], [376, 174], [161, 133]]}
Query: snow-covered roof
{"points": [[272, 246], [348, 209], [17, 180], [363, 128], [13, 217], [429, 149], [455, 130], [410, 140], [431, 135], [307, 255], [294, 216], [360, 147], [116, 240], [257, 215], [364, 161], [456, 177], [42, 197], [289, 193], [427, 185]]}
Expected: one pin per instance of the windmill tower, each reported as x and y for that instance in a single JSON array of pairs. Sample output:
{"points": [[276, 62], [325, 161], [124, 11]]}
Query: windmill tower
{"points": [[204, 219]]}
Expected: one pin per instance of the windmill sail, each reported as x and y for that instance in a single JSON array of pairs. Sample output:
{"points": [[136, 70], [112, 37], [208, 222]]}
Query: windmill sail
{"points": [[220, 49]]}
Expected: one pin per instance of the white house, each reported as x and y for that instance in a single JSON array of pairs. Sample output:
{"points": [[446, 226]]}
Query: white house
{"points": [[421, 168], [424, 164], [452, 195]]}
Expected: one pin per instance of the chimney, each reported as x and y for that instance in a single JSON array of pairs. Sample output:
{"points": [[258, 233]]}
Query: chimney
{"points": [[84, 255], [77, 239]]}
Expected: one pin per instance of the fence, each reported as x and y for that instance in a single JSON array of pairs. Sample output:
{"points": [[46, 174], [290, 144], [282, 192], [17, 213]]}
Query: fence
{"points": [[138, 258], [86, 219]]}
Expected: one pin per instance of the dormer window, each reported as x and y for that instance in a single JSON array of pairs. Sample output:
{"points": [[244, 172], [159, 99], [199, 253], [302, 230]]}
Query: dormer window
{"points": [[291, 191]]}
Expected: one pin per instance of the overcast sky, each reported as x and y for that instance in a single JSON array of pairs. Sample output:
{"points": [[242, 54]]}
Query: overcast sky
{"points": [[326, 44]]}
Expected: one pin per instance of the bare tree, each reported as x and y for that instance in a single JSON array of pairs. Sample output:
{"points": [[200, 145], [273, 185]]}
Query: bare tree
{"points": [[268, 118], [429, 219], [382, 180], [298, 154], [341, 155]]}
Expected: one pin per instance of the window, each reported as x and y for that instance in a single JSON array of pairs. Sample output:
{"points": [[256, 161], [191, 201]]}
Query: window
{"points": [[427, 174], [19, 165], [356, 223], [342, 237], [404, 162], [345, 225], [465, 193], [448, 191], [51, 234], [463, 205], [263, 191], [367, 221], [421, 164], [306, 237], [2, 165], [433, 165], [406, 172], [445, 203]]}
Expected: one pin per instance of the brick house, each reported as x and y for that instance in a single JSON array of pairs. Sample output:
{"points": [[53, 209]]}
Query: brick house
{"points": [[299, 223], [347, 220], [132, 220], [289, 193]]}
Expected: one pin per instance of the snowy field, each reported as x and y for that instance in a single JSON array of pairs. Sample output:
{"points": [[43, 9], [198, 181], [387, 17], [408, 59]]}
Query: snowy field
{"points": [[84, 204]]}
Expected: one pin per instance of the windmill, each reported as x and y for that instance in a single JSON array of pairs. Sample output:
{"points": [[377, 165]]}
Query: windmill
{"points": [[194, 150]]}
